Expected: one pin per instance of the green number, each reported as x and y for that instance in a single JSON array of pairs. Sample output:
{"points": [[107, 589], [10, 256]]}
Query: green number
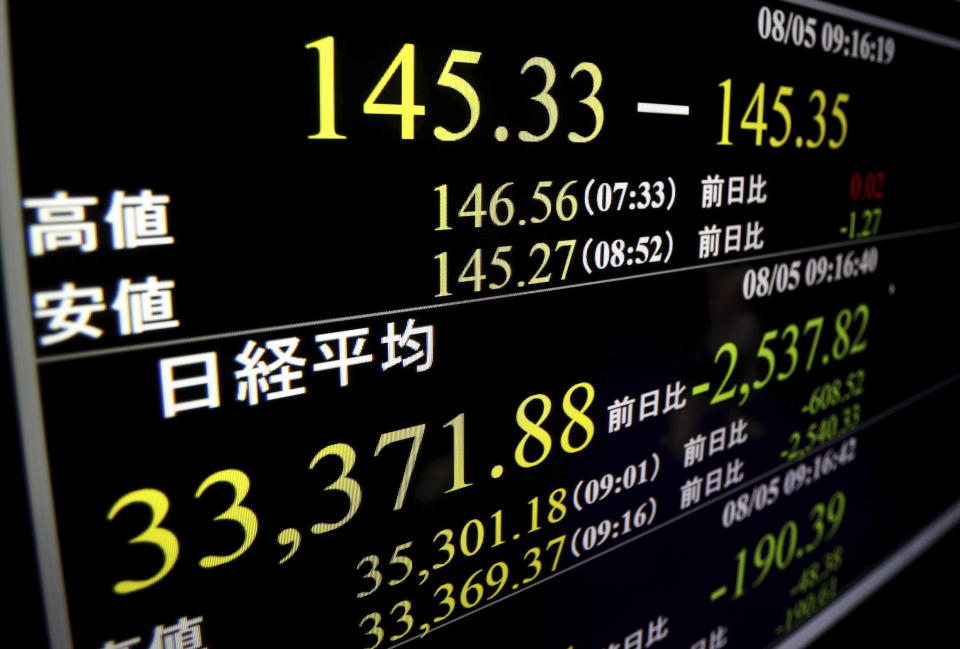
{"points": [[765, 353], [763, 558], [841, 344], [816, 515], [791, 351], [818, 323], [789, 529], [731, 350], [858, 343], [835, 508], [741, 569], [794, 452]]}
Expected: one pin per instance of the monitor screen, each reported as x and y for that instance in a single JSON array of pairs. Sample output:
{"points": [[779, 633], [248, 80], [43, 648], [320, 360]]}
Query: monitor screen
{"points": [[550, 327]]}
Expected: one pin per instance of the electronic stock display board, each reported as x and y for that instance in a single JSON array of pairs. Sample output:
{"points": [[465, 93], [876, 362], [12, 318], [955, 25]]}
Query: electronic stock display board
{"points": [[534, 327]]}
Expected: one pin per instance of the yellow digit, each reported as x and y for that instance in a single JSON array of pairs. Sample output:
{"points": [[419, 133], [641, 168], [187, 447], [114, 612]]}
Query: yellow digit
{"points": [[444, 223], [543, 98], [416, 434], [534, 563], [406, 109], [476, 263], [406, 562], [374, 574], [158, 536], [558, 542], [537, 277], [725, 119], [405, 618], [577, 417], [236, 512], [461, 85], [570, 245], [842, 98], [557, 509], [477, 212], [449, 601], [459, 482], [347, 485], [375, 630], [328, 127], [540, 196], [818, 118], [779, 107], [533, 430], [590, 101], [447, 547], [442, 259], [757, 125]]}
